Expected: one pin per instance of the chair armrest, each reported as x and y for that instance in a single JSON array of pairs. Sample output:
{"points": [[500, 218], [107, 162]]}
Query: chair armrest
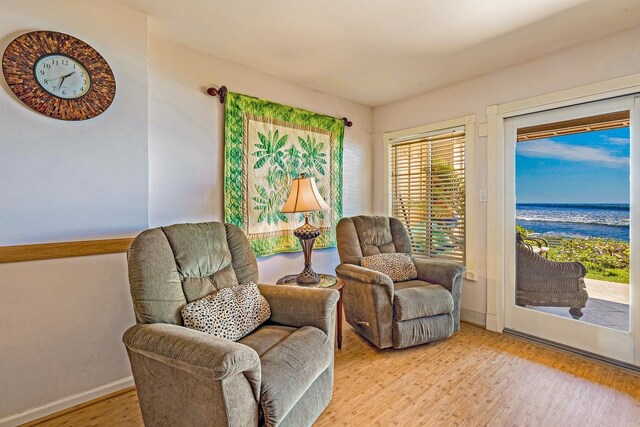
{"points": [[444, 273], [196, 352], [539, 241], [297, 306], [558, 269], [364, 275], [359, 274]]}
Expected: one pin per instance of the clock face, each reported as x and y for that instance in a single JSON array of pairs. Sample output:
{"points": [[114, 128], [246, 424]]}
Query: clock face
{"points": [[62, 76]]}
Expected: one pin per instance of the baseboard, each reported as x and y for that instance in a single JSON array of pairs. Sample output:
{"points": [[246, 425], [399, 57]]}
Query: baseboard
{"points": [[492, 323], [473, 317], [65, 403]]}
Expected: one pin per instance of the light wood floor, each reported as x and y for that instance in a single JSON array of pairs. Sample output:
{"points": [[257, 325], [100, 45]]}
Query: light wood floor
{"points": [[475, 378]]}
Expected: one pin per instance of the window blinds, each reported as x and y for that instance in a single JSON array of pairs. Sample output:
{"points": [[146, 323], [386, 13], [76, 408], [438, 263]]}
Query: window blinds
{"points": [[428, 192]]}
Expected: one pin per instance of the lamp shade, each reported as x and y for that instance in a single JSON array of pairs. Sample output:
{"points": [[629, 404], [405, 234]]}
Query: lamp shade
{"points": [[304, 197]]}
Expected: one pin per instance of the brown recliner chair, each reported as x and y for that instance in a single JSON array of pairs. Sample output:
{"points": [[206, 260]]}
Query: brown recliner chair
{"points": [[280, 374], [400, 314]]}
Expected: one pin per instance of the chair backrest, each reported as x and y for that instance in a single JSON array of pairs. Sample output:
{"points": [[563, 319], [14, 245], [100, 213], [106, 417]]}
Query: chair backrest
{"points": [[521, 242], [172, 266], [361, 236]]}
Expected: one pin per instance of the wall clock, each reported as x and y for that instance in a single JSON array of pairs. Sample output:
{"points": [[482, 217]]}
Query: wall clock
{"points": [[58, 75]]}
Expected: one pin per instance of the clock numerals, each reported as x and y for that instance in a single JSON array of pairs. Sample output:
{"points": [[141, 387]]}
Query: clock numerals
{"points": [[62, 76]]}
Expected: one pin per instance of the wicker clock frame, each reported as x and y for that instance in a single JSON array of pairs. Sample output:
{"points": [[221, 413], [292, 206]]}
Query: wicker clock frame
{"points": [[18, 64]]}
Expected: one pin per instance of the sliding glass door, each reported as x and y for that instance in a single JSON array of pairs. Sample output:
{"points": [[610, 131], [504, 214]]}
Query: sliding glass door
{"points": [[572, 217]]}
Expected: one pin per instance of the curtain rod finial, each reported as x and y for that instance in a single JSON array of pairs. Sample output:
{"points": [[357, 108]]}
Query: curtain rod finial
{"points": [[222, 91], [348, 123]]}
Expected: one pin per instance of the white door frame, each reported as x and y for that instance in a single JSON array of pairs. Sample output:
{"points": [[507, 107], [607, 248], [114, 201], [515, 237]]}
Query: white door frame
{"points": [[496, 116], [610, 343]]}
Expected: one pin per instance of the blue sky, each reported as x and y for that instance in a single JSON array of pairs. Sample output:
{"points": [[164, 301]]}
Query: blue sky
{"points": [[591, 167]]}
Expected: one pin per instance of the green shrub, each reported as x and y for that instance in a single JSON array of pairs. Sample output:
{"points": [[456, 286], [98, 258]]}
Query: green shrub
{"points": [[605, 259], [523, 231]]}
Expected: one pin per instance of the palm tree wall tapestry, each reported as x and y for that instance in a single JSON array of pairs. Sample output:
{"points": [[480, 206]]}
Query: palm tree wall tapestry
{"points": [[266, 145]]}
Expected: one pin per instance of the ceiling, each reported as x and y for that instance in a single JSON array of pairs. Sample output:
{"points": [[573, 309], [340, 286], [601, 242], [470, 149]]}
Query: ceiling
{"points": [[379, 51]]}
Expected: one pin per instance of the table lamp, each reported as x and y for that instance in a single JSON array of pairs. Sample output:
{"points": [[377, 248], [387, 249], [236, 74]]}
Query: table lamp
{"points": [[304, 197]]}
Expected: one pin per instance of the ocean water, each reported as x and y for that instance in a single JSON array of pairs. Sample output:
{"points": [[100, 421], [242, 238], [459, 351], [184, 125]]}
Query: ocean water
{"points": [[575, 220]]}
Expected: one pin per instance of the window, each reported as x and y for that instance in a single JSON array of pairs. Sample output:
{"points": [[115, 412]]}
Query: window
{"points": [[427, 190]]}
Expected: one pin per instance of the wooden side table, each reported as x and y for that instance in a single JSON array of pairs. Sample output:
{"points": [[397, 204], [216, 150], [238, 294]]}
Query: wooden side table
{"points": [[326, 281]]}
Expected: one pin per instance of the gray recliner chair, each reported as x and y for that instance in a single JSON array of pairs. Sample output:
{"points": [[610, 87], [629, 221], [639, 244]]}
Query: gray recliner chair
{"points": [[400, 314], [280, 374]]}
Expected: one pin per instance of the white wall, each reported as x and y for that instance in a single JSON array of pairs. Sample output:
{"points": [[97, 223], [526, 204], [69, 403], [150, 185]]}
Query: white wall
{"points": [[186, 144], [65, 180], [61, 329], [600, 60], [62, 319]]}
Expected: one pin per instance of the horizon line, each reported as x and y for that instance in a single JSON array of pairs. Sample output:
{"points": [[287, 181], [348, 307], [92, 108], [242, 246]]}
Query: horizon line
{"points": [[573, 203]]}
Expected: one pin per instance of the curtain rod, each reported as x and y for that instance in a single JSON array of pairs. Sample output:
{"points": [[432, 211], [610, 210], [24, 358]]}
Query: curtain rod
{"points": [[222, 92]]}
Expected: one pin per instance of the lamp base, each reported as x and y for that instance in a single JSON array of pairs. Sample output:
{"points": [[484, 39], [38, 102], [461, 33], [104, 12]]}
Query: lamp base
{"points": [[308, 276], [307, 234]]}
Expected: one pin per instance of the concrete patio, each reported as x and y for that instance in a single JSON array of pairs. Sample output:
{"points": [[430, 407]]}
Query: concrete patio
{"points": [[608, 305]]}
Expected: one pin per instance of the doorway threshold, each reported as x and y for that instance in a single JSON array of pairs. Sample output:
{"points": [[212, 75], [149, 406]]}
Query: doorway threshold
{"points": [[628, 367]]}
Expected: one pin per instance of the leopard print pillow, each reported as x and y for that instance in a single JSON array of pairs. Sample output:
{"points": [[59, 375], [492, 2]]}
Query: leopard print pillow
{"points": [[398, 266], [230, 313]]}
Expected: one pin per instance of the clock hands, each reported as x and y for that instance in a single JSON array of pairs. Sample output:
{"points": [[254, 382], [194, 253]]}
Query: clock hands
{"points": [[63, 77]]}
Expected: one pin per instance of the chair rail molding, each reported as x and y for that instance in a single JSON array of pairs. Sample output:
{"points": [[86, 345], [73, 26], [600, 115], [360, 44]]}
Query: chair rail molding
{"points": [[42, 251]]}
